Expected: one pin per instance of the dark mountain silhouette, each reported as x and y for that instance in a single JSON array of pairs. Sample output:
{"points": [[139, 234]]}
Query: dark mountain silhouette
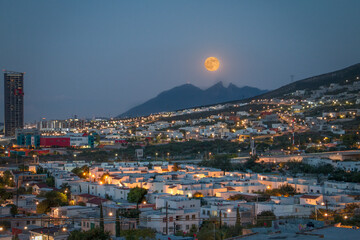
{"points": [[187, 96]]}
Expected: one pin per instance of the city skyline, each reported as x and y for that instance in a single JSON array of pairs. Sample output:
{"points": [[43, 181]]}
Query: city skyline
{"points": [[101, 59]]}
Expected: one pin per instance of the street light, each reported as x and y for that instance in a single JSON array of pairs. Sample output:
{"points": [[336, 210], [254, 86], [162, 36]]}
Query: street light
{"points": [[110, 214]]}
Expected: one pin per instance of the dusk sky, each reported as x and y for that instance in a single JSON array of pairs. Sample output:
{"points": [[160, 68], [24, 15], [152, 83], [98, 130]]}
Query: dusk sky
{"points": [[100, 58]]}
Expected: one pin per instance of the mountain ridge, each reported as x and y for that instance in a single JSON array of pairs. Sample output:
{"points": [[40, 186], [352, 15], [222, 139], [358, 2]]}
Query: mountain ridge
{"points": [[188, 95]]}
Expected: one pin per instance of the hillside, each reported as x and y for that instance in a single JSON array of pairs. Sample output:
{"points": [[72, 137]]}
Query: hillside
{"points": [[312, 83]]}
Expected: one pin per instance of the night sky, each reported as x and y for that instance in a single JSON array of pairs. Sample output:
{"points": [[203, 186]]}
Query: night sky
{"points": [[99, 58]]}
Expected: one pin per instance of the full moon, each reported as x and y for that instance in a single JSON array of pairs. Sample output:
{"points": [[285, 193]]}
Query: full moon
{"points": [[212, 64]]}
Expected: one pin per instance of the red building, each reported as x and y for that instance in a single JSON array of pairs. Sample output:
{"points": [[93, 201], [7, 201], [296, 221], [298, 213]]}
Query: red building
{"points": [[55, 141]]}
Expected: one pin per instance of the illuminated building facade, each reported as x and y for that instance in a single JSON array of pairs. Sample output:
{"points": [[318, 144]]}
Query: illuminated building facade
{"points": [[14, 102]]}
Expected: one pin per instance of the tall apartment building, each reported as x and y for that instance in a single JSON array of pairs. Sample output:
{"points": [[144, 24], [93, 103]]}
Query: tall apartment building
{"points": [[14, 102]]}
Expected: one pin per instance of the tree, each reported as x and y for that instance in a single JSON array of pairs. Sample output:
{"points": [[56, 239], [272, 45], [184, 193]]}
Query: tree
{"points": [[40, 170], [236, 197], [77, 171], [66, 189], [176, 167], [137, 195], [219, 161], [13, 210], [4, 195], [104, 177], [81, 172], [101, 218], [137, 234], [265, 218], [238, 219], [7, 179], [52, 199], [23, 168], [92, 234], [285, 190], [50, 181], [43, 207]]}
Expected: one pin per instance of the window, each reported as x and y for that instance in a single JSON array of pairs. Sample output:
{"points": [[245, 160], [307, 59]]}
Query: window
{"points": [[187, 217], [164, 219], [164, 229], [171, 219], [27, 222], [33, 221], [193, 216], [187, 227]]}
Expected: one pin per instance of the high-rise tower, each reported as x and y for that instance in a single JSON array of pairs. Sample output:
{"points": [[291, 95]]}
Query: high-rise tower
{"points": [[14, 102]]}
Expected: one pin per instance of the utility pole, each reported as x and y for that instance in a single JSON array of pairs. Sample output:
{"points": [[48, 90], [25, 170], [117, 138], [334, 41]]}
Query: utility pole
{"points": [[220, 220], [167, 222]]}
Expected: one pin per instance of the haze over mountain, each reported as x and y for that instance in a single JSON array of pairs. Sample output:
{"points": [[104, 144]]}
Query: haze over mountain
{"points": [[188, 95]]}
